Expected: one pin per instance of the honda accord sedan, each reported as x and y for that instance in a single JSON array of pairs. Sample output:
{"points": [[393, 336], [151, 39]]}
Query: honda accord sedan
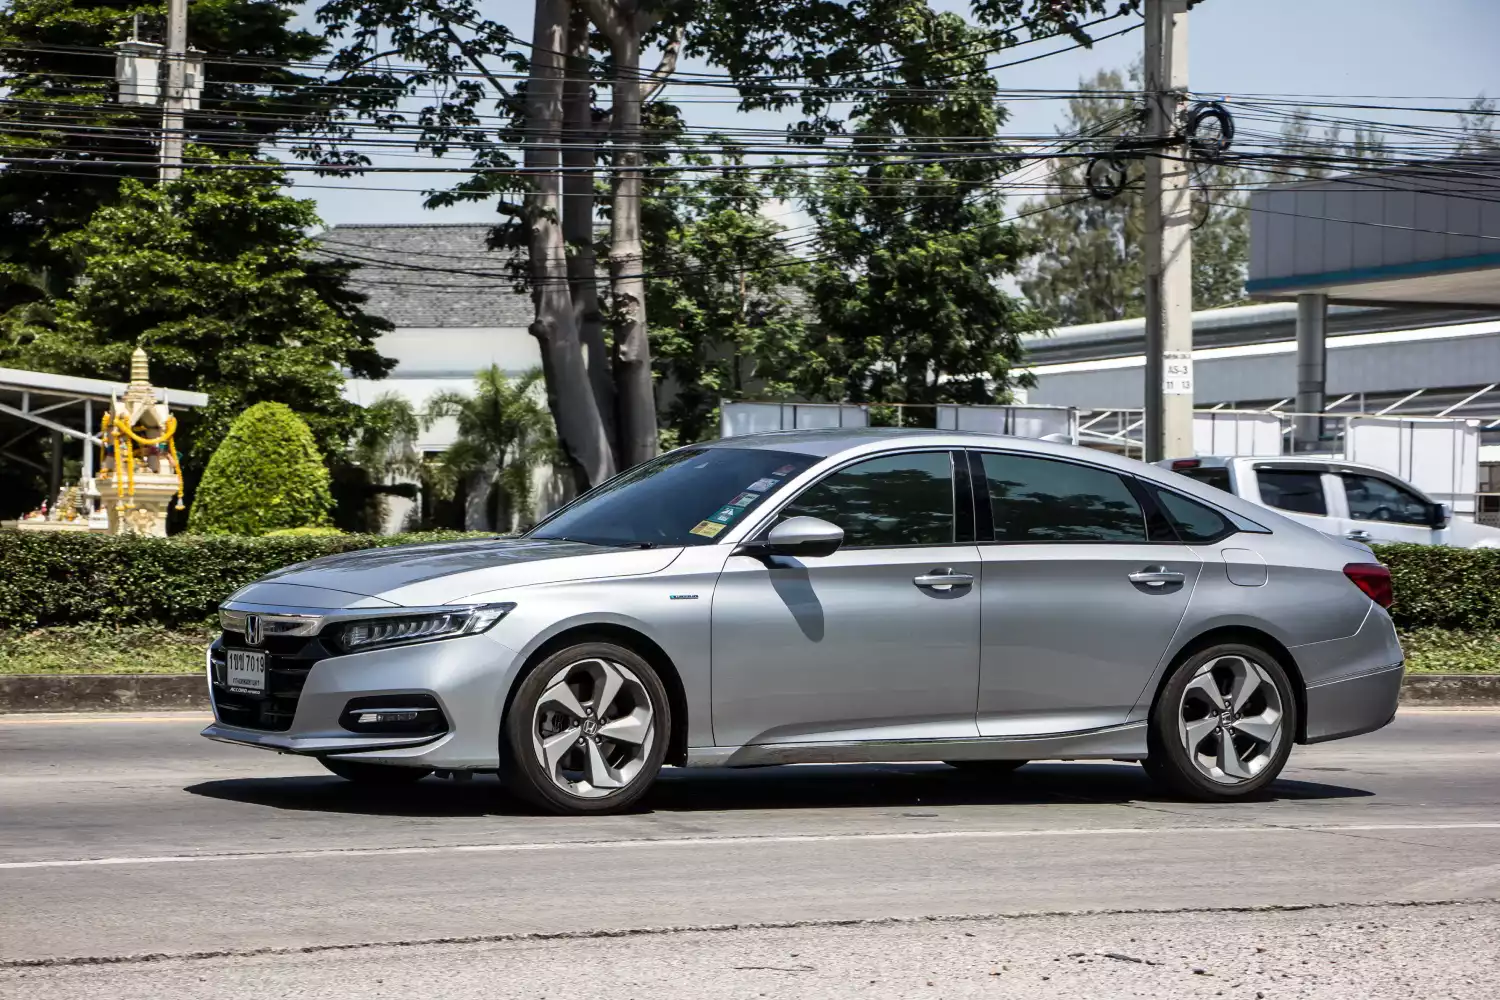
{"points": [[825, 596]]}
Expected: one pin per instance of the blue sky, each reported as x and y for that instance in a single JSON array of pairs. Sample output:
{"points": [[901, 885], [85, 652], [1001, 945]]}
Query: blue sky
{"points": [[1436, 48]]}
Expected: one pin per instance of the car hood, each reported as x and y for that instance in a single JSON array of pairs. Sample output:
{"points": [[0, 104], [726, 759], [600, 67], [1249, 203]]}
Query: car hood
{"points": [[434, 573]]}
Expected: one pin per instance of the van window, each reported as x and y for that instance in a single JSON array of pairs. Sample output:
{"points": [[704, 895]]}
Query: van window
{"points": [[1217, 477], [1296, 490]]}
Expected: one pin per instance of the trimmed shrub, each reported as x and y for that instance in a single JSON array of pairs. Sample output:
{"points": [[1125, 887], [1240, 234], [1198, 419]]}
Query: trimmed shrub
{"points": [[266, 474], [79, 579], [1441, 587]]}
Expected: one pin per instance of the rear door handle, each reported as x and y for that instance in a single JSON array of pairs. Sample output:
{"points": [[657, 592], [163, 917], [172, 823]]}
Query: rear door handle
{"points": [[1358, 535], [1156, 576], [943, 579]]}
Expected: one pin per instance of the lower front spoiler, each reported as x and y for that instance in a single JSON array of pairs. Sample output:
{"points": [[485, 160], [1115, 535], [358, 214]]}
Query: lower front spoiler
{"points": [[1351, 706], [315, 746]]}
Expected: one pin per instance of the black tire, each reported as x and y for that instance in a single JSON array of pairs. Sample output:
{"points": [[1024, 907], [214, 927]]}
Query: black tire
{"points": [[988, 768], [365, 773], [1170, 764], [526, 775]]}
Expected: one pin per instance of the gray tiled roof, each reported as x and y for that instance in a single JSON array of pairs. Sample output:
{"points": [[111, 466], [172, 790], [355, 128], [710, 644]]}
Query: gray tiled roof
{"points": [[408, 273]]}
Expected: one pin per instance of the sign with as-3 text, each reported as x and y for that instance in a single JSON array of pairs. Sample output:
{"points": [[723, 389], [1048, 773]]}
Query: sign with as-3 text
{"points": [[1177, 373]]}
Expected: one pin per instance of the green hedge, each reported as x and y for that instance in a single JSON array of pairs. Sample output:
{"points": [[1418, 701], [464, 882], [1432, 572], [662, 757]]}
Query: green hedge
{"points": [[1441, 587], [77, 579]]}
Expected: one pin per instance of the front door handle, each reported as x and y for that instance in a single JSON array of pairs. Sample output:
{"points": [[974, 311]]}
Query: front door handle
{"points": [[943, 579], [1156, 576], [1358, 535]]}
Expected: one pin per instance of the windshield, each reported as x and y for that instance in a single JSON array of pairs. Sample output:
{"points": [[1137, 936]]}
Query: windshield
{"points": [[686, 497]]}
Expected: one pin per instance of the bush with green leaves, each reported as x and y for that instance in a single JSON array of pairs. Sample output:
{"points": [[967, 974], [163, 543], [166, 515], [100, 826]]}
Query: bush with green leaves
{"points": [[54, 579], [266, 475], [1441, 587]]}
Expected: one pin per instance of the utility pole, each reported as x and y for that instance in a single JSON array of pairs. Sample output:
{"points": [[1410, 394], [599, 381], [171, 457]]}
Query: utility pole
{"points": [[1169, 237], [176, 94]]}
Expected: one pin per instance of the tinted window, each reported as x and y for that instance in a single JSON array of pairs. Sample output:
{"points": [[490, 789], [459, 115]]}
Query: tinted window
{"points": [[1301, 492], [895, 500], [1217, 477], [1372, 499], [685, 497], [1040, 500], [1196, 523]]}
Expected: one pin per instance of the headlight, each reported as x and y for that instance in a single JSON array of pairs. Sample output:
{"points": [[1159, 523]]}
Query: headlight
{"points": [[373, 633]]}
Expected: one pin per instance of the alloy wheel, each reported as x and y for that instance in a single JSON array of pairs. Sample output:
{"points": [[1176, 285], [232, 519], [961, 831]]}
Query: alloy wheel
{"points": [[1230, 719], [593, 728]]}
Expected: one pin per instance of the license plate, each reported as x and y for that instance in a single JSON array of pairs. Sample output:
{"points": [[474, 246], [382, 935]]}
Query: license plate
{"points": [[246, 671]]}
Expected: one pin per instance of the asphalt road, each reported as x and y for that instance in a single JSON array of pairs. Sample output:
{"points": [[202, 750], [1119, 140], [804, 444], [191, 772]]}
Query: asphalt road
{"points": [[1373, 870]]}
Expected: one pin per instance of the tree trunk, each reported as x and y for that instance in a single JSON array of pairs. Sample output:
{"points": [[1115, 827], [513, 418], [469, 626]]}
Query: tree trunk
{"points": [[623, 24], [581, 138], [477, 489], [580, 428]]}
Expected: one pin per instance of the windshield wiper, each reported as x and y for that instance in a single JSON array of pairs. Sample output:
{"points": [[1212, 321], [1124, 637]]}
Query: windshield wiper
{"points": [[621, 544]]}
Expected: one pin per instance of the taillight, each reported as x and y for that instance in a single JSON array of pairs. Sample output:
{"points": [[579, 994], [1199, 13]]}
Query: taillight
{"points": [[1374, 579], [1185, 463]]}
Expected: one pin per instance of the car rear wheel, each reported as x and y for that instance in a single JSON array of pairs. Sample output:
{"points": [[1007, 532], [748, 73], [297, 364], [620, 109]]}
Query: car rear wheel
{"points": [[1224, 724], [587, 731], [988, 768], [365, 773]]}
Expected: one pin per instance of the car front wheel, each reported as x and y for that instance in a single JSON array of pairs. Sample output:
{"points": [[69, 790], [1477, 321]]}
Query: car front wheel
{"points": [[587, 731], [1224, 724]]}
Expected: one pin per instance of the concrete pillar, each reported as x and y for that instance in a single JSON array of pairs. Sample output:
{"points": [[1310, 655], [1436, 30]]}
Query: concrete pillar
{"points": [[1312, 370]]}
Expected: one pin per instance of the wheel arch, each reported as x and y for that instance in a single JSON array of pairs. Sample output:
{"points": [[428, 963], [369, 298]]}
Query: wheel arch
{"points": [[1247, 635], [637, 642]]}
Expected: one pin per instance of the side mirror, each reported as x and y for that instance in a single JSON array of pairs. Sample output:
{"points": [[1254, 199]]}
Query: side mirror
{"points": [[797, 536], [1441, 515]]}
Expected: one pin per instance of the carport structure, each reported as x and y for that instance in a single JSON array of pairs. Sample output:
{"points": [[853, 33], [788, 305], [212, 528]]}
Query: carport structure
{"points": [[64, 407], [1414, 236]]}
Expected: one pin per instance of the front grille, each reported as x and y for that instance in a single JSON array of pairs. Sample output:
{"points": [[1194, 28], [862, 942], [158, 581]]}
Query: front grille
{"points": [[288, 660]]}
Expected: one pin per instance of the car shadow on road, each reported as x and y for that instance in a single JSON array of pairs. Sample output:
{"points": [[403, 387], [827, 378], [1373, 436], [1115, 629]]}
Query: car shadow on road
{"points": [[816, 786]]}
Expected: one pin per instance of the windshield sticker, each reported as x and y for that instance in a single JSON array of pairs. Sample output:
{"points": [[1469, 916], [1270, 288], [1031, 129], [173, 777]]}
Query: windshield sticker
{"points": [[761, 485], [783, 470], [744, 500], [708, 529], [726, 515]]}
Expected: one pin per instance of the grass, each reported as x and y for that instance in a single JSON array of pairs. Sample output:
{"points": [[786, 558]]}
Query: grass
{"points": [[149, 649]]}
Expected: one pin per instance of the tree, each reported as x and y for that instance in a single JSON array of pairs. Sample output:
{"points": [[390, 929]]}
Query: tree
{"points": [[913, 242], [504, 436], [1091, 269], [729, 317], [827, 49], [216, 277], [72, 143], [1478, 133], [266, 475]]}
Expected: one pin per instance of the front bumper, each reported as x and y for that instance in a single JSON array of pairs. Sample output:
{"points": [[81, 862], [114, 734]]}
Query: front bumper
{"points": [[468, 676]]}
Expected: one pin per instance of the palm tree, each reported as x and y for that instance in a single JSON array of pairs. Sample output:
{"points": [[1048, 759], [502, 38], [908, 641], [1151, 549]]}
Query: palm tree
{"points": [[386, 448], [504, 434]]}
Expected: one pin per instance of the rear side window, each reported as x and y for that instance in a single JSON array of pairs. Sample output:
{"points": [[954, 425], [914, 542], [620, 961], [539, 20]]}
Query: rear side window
{"points": [[1196, 523], [1042, 500], [1298, 491]]}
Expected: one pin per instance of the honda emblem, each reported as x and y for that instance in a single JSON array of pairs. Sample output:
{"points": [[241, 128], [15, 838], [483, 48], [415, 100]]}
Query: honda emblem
{"points": [[252, 630]]}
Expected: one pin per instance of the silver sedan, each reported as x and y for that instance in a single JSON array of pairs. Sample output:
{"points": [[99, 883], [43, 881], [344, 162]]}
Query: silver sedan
{"points": [[826, 596]]}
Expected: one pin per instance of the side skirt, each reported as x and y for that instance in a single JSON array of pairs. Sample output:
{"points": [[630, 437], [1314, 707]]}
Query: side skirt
{"points": [[1127, 742]]}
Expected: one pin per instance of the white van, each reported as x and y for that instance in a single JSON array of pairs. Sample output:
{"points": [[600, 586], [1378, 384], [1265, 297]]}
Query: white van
{"points": [[1359, 502]]}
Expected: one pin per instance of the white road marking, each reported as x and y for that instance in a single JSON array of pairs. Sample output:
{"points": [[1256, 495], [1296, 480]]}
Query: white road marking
{"points": [[581, 845]]}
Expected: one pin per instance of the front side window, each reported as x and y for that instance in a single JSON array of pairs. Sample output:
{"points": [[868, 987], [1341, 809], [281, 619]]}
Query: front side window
{"points": [[892, 500], [1300, 492], [1375, 499], [685, 497], [1042, 500]]}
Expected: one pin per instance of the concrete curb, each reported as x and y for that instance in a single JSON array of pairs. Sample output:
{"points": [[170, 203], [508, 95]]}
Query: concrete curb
{"points": [[104, 692]]}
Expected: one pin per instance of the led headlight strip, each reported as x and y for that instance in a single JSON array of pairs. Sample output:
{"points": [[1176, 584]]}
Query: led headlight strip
{"points": [[402, 630]]}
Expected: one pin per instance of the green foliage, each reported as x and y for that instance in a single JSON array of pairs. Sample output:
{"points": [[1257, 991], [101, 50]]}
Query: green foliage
{"points": [[309, 531], [84, 579], [1092, 268], [266, 475], [1441, 587], [61, 106], [215, 277], [725, 305], [913, 241], [1450, 651], [104, 649], [504, 434]]}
